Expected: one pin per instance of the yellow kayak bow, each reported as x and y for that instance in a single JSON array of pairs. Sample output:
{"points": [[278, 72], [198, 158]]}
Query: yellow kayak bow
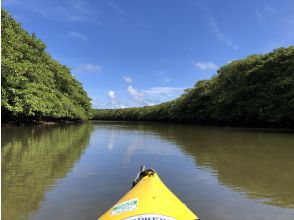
{"points": [[149, 199]]}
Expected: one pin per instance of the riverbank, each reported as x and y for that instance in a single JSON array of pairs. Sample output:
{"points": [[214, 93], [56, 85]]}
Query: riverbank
{"points": [[21, 121], [256, 91], [45, 123]]}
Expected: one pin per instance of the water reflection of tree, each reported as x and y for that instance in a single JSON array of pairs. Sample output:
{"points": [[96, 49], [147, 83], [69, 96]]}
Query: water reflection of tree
{"points": [[33, 158], [259, 163]]}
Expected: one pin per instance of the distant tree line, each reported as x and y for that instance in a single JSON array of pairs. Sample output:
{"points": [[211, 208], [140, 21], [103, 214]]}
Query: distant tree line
{"points": [[35, 86], [255, 91]]}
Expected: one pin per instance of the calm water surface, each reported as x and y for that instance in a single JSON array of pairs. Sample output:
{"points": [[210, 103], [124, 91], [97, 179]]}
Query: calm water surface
{"points": [[79, 171]]}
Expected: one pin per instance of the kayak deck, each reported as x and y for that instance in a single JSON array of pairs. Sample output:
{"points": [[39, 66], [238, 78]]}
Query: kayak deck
{"points": [[149, 199]]}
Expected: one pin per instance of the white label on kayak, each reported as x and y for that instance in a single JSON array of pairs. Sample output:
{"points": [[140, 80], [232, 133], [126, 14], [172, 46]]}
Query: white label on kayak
{"points": [[126, 206], [150, 217]]}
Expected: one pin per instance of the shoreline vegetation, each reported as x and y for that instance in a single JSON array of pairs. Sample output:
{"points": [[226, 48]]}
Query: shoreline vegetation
{"points": [[35, 87], [257, 91]]}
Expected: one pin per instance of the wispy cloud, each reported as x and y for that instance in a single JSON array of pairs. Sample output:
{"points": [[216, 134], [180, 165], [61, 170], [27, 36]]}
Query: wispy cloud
{"points": [[129, 20], [77, 35], [128, 79], [163, 90], [166, 80], [40, 11], [163, 74], [226, 39], [269, 8], [205, 65], [118, 9], [154, 95], [285, 34], [263, 14], [88, 68], [136, 95], [69, 11]]}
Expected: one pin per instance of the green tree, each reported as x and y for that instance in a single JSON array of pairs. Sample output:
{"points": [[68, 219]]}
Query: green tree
{"points": [[35, 86]]}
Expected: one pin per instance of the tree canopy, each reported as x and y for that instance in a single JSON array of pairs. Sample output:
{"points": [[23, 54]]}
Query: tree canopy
{"points": [[34, 85], [255, 91]]}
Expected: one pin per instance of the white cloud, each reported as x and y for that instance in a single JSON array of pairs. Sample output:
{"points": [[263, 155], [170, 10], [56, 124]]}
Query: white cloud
{"points": [[230, 61], [88, 68], [128, 79], [138, 96], [226, 39], [76, 35], [151, 103], [111, 94], [205, 65], [114, 101]]}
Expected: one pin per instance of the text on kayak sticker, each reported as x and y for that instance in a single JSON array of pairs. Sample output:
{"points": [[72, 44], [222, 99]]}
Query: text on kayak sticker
{"points": [[150, 217], [126, 206]]}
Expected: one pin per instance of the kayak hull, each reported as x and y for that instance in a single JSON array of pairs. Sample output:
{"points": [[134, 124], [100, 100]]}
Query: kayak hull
{"points": [[149, 199]]}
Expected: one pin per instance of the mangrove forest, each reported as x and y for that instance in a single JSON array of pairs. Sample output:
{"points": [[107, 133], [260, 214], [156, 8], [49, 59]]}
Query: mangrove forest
{"points": [[34, 85], [256, 91]]}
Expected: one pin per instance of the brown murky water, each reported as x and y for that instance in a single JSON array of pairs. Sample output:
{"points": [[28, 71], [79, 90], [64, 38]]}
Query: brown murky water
{"points": [[79, 171]]}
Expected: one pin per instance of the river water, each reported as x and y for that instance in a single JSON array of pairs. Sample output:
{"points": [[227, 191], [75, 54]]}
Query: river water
{"points": [[79, 171]]}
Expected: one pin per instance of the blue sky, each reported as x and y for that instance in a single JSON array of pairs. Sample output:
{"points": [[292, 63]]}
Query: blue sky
{"points": [[142, 52]]}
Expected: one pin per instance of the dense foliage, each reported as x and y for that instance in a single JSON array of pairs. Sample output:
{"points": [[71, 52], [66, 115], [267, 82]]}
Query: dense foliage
{"points": [[255, 91], [34, 85]]}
